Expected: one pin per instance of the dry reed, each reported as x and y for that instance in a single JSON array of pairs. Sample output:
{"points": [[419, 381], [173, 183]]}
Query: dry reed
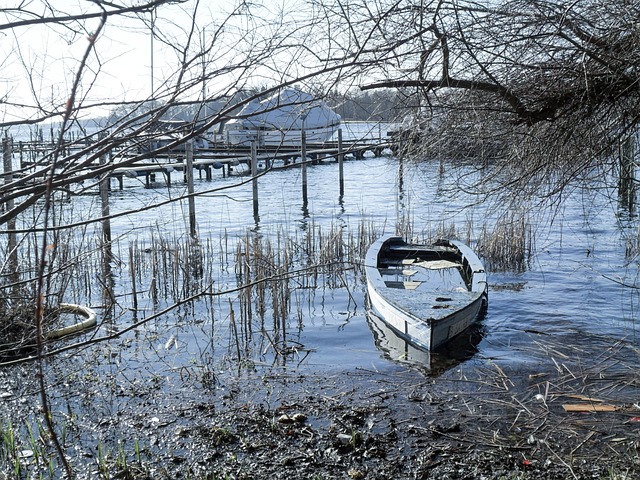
{"points": [[509, 245]]}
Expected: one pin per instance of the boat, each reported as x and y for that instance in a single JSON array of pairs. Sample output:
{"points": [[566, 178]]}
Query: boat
{"points": [[280, 119], [427, 293]]}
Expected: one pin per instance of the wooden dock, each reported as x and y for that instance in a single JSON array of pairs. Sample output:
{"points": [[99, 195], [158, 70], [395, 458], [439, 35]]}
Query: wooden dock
{"points": [[205, 161], [127, 162]]}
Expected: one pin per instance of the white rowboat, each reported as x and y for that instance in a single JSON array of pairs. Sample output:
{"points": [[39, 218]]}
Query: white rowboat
{"points": [[427, 294]]}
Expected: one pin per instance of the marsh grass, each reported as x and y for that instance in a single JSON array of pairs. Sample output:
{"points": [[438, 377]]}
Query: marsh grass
{"points": [[508, 244], [9, 447], [24, 448], [271, 273], [259, 277]]}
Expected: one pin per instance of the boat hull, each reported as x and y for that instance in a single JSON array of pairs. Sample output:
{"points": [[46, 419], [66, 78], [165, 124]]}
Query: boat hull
{"points": [[403, 350], [432, 316]]}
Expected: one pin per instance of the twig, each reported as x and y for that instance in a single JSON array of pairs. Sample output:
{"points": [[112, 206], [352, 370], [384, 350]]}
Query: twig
{"points": [[40, 292]]}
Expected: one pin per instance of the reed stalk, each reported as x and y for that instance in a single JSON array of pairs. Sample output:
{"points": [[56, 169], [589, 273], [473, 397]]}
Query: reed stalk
{"points": [[509, 245]]}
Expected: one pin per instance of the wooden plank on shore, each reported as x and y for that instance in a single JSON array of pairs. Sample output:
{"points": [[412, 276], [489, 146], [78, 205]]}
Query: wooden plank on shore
{"points": [[589, 407]]}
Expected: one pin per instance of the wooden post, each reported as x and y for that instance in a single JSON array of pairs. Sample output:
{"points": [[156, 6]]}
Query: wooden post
{"points": [[340, 162], [107, 252], [12, 243], [132, 270], [626, 180], [190, 190], [254, 179], [8, 168], [104, 199], [303, 154]]}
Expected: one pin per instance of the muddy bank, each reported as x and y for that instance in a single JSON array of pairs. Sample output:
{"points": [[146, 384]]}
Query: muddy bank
{"points": [[480, 419], [367, 425], [473, 422]]}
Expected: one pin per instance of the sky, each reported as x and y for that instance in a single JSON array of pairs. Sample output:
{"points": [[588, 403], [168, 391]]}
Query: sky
{"points": [[39, 63], [243, 45]]}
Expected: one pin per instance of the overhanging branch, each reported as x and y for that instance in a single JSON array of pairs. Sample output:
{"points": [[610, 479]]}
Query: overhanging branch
{"points": [[528, 116]]}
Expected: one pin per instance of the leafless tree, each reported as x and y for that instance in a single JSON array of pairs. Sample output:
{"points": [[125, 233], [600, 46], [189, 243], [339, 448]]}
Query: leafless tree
{"points": [[537, 93], [546, 90]]}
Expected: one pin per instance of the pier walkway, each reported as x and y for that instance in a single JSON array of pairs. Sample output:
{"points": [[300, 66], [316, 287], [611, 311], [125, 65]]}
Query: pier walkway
{"points": [[205, 161]]}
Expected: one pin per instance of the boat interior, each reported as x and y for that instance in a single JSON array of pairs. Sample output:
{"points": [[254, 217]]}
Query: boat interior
{"points": [[433, 269]]}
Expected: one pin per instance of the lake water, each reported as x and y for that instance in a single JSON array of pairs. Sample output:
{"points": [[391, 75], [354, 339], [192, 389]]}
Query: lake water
{"points": [[579, 288]]}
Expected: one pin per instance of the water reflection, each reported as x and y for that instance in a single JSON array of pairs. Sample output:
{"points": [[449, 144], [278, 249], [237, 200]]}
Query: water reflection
{"points": [[399, 349], [304, 220]]}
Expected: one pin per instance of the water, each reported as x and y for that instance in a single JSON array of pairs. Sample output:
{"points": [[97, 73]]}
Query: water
{"points": [[575, 283], [573, 288]]}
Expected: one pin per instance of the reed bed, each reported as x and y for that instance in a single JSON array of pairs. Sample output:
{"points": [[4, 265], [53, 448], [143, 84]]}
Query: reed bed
{"points": [[508, 245], [257, 283], [271, 273], [247, 282]]}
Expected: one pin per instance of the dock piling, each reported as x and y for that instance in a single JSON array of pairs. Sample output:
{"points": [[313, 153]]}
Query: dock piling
{"points": [[12, 242], [340, 162], [303, 154], [190, 189], [254, 178]]}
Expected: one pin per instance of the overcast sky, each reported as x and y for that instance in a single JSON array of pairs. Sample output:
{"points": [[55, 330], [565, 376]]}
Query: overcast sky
{"points": [[38, 63], [247, 44]]}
